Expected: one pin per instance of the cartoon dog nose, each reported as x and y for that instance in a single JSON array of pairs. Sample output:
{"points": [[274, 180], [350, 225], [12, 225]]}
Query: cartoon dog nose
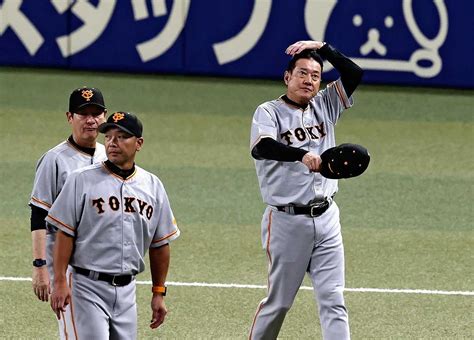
{"points": [[373, 43], [373, 34]]}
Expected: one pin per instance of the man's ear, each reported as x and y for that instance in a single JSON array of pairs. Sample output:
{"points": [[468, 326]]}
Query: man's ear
{"points": [[69, 116], [140, 142], [286, 77]]}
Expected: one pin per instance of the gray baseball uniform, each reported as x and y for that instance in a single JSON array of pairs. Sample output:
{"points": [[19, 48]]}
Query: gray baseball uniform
{"points": [[316, 242], [114, 221], [51, 172]]}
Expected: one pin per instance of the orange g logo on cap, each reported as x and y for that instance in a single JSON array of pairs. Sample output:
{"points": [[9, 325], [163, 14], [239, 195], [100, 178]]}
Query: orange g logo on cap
{"points": [[87, 94], [84, 96], [118, 116], [125, 121]]}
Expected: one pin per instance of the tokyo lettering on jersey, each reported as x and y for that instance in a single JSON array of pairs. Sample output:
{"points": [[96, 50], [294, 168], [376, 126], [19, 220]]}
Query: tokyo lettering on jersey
{"points": [[114, 220], [312, 129]]}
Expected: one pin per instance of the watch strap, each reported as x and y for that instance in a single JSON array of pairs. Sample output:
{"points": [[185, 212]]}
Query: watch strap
{"points": [[39, 262]]}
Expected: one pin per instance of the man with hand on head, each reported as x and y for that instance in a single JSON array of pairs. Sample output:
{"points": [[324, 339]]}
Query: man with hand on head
{"points": [[301, 231], [108, 215]]}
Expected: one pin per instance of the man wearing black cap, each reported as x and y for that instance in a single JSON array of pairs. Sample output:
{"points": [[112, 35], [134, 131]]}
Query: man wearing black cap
{"points": [[86, 112], [111, 213]]}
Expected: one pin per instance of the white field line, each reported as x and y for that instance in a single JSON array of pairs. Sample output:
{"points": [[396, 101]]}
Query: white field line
{"points": [[242, 286]]}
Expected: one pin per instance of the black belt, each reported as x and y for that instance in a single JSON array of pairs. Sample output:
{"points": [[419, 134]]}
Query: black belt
{"points": [[314, 210], [114, 280]]}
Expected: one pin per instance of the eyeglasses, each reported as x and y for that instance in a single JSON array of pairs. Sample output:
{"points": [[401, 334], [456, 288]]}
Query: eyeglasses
{"points": [[302, 73]]}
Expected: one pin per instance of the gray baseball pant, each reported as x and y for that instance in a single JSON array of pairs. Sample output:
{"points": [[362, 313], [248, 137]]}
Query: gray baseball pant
{"points": [[295, 245]]}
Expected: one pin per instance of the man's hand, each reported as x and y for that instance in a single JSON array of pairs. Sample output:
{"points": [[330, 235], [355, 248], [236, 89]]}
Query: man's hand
{"points": [[41, 285], [60, 298], [312, 161], [158, 309], [302, 45]]}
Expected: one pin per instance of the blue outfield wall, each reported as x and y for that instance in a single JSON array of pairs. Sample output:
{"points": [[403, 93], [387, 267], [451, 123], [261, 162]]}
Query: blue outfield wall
{"points": [[412, 42]]}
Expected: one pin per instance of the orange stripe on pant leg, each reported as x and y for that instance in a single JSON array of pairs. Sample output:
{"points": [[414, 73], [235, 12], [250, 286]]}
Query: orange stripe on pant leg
{"points": [[260, 306], [64, 325], [71, 307], [269, 228]]}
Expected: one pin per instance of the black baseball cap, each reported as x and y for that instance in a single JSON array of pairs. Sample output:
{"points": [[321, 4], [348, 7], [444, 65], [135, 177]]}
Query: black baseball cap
{"points": [[344, 161], [125, 121], [85, 96]]}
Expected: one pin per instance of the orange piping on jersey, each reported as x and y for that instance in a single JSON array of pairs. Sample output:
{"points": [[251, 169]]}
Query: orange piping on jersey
{"points": [[78, 150], [260, 306], [119, 177], [165, 237], [61, 223], [71, 308], [41, 202], [259, 139], [340, 94], [296, 107]]}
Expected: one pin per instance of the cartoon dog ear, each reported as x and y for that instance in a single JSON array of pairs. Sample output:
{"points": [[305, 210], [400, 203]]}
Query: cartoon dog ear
{"points": [[429, 44]]}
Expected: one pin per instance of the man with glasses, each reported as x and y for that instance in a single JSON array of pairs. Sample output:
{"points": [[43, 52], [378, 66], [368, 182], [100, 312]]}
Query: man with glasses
{"points": [[86, 112], [301, 231]]}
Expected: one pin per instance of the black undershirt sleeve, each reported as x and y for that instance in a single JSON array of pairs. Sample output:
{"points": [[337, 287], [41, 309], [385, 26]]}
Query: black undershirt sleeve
{"points": [[268, 148], [351, 73], [38, 216]]}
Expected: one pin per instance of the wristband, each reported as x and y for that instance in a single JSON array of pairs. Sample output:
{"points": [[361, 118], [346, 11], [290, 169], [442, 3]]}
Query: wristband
{"points": [[159, 289]]}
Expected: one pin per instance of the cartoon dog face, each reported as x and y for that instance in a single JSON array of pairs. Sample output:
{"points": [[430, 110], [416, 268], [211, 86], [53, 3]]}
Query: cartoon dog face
{"points": [[379, 31]]}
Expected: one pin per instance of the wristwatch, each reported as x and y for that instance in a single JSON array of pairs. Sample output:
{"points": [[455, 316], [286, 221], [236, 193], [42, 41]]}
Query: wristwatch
{"points": [[39, 263]]}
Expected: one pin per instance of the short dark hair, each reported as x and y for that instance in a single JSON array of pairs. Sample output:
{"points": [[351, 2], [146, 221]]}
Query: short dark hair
{"points": [[305, 54]]}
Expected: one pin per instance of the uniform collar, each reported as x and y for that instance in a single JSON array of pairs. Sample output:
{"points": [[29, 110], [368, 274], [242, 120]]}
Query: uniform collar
{"points": [[89, 151], [289, 101], [119, 172]]}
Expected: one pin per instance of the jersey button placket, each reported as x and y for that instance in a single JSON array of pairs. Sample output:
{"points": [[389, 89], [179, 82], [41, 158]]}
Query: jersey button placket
{"points": [[307, 119], [125, 231]]}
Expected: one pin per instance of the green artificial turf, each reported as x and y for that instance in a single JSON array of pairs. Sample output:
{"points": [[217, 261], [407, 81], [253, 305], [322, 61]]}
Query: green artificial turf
{"points": [[407, 221]]}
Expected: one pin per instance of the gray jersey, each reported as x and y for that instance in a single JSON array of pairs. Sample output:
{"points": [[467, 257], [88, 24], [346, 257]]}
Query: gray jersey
{"points": [[51, 172], [114, 221], [283, 183], [54, 167]]}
